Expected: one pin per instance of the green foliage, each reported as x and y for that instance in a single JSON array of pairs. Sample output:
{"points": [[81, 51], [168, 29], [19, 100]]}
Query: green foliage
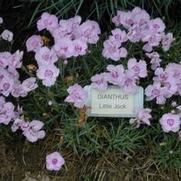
{"points": [[100, 10], [101, 136], [167, 153]]}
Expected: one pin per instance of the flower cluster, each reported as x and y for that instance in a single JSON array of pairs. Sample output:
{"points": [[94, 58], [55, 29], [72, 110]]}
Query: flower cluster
{"points": [[167, 82], [138, 27], [71, 39], [7, 112], [112, 46], [155, 60], [11, 85], [6, 34], [9, 76], [124, 78], [77, 96], [31, 130], [143, 117]]}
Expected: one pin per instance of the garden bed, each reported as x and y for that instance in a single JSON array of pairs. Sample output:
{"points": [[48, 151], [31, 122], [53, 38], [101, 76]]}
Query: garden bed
{"points": [[93, 148]]}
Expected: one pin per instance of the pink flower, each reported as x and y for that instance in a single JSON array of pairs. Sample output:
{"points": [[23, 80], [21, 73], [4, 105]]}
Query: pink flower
{"points": [[119, 35], [152, 91], [7, 112], [6, 86], [47, 21], [123, 52], [99, 81], [134, 34], [17, 124], [74, 22], [24, 125], [67, 28], [13, 73], [33, 132], [6, 82], [170, 122], [80, 48], [155, 60], [113, 51], [1, 20], [116, 74], [161, 75], [4, 59], [15, 59], [29, 84], [156, 91], [171, 85], [46, 56], [48, 74], [54, 161], [11, 60], [147, 47], [64, 30], [127, 19], [157, 25], [77, 96], [138, 68], [123, 18], [144, 116], [152, 40], [140, 16], [61, 32], [34, 43], [88, 31], [19, 91], [174, 69], [129, 84], [167, 41], [7, 35], [64, 48], [167, 80]]}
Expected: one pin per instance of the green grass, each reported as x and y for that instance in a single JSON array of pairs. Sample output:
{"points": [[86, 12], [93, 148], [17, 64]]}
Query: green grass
{"points": [[100, 10], [104, 10]]}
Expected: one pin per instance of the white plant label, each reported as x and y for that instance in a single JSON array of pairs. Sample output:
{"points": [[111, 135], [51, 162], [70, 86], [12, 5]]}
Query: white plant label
{"points": [[113, 102]]}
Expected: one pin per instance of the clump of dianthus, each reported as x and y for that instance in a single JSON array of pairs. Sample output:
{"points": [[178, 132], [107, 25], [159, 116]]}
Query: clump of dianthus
{"points": [[71, 39]]}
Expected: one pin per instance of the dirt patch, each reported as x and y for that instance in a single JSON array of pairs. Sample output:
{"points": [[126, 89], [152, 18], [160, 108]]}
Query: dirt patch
{"points": [[22, 161]]}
